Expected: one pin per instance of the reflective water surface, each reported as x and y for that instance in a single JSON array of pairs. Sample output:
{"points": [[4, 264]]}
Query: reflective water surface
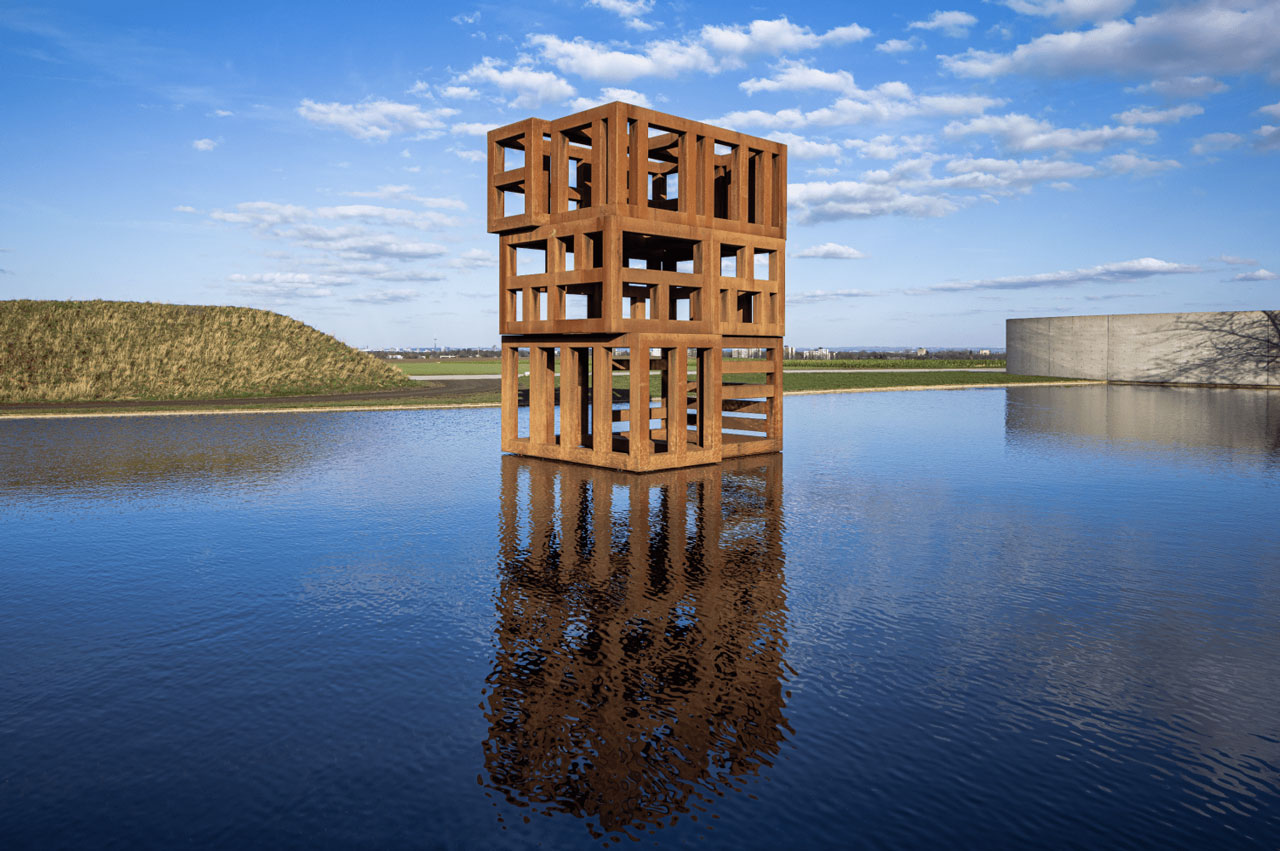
{"points": [[1044, 615]]}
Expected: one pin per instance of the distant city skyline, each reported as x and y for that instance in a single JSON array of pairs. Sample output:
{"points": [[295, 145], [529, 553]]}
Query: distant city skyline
{"points": [[950, 166]]}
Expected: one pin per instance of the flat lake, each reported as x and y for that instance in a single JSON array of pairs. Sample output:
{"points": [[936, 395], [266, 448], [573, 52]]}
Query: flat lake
{"points": [[1042, 616]]}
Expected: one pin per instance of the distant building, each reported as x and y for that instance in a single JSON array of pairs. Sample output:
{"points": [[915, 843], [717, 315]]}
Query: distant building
{"points": [[984, 352], [922, 352]]}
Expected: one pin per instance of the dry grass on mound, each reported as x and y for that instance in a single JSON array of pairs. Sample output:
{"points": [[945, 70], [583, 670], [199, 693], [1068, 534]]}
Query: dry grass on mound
{"points": [[106, 350]]}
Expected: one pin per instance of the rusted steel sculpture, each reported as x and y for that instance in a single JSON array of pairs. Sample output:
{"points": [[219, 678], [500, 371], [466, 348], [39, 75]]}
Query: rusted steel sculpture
{"points": [[632, 241]]}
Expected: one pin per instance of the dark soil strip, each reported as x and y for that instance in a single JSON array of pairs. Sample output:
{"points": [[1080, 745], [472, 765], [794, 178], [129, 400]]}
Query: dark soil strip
{"points": [[444, 389]]}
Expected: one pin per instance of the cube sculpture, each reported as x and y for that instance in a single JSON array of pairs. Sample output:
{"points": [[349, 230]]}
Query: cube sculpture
{"points": [[633, 241]]}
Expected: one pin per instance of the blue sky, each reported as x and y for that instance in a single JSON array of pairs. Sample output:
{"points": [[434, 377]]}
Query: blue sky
{"points": [[950, 165]]}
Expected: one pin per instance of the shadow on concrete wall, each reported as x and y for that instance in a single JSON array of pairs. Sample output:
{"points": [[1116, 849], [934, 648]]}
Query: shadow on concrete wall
{"points": [[1227, 347]]}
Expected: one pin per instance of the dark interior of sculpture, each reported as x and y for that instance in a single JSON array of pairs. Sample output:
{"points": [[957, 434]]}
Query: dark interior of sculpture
{"points": [[632, 237]]}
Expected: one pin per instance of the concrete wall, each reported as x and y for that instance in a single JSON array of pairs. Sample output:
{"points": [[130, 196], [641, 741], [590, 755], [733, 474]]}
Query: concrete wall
{"points": [[1178, 348]]}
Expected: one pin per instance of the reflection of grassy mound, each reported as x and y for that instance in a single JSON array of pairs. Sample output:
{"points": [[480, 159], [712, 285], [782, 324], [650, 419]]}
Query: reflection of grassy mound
{"points": [[98, 350]]}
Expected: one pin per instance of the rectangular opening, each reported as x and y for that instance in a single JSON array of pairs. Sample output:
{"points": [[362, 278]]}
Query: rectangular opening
{"points": [[540, 306], [512, 203], [660, 407], [745, 416], [531, 258], [515, 305], [582, 301], [748, 306], [579, 370], [763, 268], [637, 301], [692, 406], [729, 260], [669, 254], [685, 303], [521, 357], [620, 426], [566, 251], [753, 183], [512, 157], [593, 250]]}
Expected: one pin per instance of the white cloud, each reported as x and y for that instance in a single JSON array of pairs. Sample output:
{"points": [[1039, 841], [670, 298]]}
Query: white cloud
{"points": [[472, 128], [1182, 87], [822, 201], [1268, 138], [528, 86], [629, 10], [222, 113], [886, 147], [886, 102], [1148, 115], [368, 246], [405, 192], [796, 76], [1134, 164], [376, 120], [279, 291], [1125, 271], [308, 228], [806, 149], [817, 296], [384, 296], [1024, 133], [899, 45], [1215, 142], [1273, 110], [953, 24], [183, 208], [204, 144], [1257, 275], [461, 19], [268, 215], [776, 36], [832, 251], [1232, 260], [469, 154], [996, 174], [1071, 10], [459, 92], [610, 94], [1232, 36], [305, 278], [474, 258], [713, 49], [420, 88]]}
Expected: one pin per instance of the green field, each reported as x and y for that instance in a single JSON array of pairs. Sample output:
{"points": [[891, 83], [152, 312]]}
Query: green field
{"points": [[896, 363], [490, 366], [470, 366]]}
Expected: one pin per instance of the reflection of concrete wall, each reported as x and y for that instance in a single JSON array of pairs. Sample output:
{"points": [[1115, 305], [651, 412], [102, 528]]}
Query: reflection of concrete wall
{"points": [[1191, 348], [1236, 420]]}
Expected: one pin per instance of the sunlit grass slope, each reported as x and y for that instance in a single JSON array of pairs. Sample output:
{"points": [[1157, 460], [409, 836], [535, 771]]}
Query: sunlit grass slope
{"points": [[104, 350]]}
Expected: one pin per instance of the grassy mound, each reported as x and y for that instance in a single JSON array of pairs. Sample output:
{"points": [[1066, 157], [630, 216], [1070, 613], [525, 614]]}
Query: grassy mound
{"points": [[67, 351]]}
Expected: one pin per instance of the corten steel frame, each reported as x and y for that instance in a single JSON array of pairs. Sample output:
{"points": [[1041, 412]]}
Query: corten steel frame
{"points": [[628, 236]]}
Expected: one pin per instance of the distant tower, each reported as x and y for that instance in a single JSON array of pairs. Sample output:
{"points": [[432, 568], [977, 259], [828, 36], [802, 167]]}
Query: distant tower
{"points": [[662, 260]]}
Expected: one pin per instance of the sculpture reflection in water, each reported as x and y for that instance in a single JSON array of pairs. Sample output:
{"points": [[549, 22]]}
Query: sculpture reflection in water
{"points": [[641, 632]]}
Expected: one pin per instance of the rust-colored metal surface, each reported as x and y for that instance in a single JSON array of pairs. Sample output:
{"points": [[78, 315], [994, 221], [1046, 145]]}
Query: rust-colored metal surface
{"points": [[628, 236]]}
